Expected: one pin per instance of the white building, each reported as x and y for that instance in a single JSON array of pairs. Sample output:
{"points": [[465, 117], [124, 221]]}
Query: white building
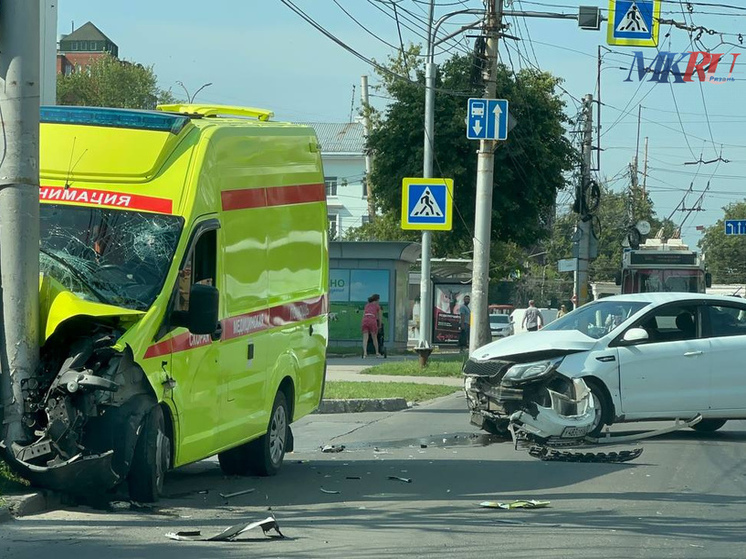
{"points": [[343, 155]]}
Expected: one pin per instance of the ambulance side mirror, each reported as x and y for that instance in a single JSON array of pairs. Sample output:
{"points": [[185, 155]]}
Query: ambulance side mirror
{"points": [[203, 309]]}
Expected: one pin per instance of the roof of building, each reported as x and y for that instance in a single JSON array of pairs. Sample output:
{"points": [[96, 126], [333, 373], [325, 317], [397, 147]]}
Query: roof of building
{"points": [[346, 137], [87, 32]]}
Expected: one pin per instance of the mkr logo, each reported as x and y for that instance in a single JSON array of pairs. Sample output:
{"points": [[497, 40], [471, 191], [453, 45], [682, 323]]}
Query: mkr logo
{"points": [[666, 63]]}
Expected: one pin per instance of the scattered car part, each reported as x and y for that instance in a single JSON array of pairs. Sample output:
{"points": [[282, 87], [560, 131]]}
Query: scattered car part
{"points": [[230, 533], [237, 493], [330, 491], [553, 455], [328, 448], [519, 504], [402, 479]]}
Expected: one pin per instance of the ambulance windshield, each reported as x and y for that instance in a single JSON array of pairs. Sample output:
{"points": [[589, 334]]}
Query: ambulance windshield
{"points": [[116, 257]]}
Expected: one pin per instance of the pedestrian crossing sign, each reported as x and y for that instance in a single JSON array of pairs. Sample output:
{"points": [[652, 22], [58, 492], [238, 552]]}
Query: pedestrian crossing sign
{"points": [[426, 204], [634, 23]]}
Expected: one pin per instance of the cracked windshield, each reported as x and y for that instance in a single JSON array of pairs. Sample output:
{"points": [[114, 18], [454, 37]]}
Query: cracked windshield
{"points": [[117, 257]]}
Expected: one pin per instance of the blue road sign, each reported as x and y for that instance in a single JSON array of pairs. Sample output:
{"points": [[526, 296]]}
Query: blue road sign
{"points": [[487, 119], [735, 226], [426, 204], [634, 22]]}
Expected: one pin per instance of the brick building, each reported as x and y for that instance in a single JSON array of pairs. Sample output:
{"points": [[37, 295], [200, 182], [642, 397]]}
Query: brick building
{"points": [[82, 47]]}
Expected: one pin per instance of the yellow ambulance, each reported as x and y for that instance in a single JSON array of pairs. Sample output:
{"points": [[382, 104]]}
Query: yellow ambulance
{"points": [[184, 294]]}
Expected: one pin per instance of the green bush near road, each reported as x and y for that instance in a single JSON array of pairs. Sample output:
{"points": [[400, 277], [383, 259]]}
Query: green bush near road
{"points": [[9, 481], [412, 392], [437, 366]]}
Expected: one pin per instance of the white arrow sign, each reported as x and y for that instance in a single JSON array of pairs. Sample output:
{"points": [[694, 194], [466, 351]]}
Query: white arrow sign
{"points": [[477, 127]]}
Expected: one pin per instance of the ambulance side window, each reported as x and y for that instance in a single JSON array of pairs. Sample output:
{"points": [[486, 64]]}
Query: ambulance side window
{"points": [[200, 267]]}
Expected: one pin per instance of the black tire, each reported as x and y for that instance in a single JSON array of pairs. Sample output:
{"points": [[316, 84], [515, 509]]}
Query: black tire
{"points": [[268, 451], [709, 425], [496, 427], [263, 456], [151, 460], [603, 409]]}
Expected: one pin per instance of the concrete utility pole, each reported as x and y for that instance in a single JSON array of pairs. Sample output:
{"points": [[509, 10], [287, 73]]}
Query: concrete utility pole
{"points": [[19, 208], [368, 157], [480, 332], [584, 227]]}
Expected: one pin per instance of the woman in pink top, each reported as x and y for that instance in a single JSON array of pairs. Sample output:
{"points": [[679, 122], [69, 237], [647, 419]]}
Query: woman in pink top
{"points": [[372, 318]]}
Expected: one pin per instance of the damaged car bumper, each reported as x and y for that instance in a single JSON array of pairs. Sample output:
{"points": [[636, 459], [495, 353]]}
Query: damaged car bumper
{"points": [[532, 399]]}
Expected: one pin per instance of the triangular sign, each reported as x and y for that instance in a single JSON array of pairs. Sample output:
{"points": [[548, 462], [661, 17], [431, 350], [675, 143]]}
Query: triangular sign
{"points": [[427, 206], [633, 22]]}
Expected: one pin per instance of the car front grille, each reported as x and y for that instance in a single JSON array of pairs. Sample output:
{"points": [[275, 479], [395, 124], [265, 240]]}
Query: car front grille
{"points": [[487, 368]]}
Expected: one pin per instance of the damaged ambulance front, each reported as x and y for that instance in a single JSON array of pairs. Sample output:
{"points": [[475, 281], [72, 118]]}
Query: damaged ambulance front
{"points": [[519, 382], [107, 248]]}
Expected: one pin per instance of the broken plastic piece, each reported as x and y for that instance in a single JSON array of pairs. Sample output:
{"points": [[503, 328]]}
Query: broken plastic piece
{"points": [[531, 504], [237, 493], [332, 448], [230, 533], [404, 479], [330, 491]]}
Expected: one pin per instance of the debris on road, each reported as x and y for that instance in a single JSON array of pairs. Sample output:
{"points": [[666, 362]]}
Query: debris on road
{"points": [[332, 448], [403, 479], [230, 533], [548, 454], [237, 493], [330, 491], [353, 477], [530, 504]]}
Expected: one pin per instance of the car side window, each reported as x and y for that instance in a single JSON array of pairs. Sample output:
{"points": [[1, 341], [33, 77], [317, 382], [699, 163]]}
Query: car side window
{"points": [[727, 320], [671, 323], [200, 267]]}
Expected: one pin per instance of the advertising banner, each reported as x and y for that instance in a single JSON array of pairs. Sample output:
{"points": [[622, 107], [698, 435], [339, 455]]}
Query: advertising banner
{"points": [[447, 302], [348, 294]]}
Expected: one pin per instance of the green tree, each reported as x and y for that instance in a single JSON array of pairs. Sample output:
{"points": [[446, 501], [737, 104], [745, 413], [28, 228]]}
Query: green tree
{"points": [[726, 254], [529, 168], [110, 82]]}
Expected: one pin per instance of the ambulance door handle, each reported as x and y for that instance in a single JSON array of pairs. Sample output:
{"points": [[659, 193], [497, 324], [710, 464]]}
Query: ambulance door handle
{"points": [[310, 330], [218, 333], [250, 354]]}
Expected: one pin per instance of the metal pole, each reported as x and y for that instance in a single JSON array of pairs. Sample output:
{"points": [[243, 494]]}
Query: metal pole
{"points": [[426, 297], [48, 36], [368, 157], [480, 334], [584, 227], [645, 172], [19, 208]]}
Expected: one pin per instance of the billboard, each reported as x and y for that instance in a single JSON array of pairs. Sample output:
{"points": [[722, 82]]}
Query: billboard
{"points": [[349, 290]]}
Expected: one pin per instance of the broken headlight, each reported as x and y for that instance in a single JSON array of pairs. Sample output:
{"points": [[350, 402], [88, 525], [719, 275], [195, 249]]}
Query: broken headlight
{"points": [[525, 372]]}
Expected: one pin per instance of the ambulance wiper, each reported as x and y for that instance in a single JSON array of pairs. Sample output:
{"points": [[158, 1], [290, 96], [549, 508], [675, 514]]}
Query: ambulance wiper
{"points": [[75, 274]]}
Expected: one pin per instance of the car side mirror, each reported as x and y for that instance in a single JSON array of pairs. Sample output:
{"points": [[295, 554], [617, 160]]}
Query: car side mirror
{"points": [[635, 335], [202, 316], [708, 279]]}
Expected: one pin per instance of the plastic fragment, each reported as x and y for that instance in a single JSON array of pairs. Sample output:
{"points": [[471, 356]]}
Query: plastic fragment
{"points": [[530, 504]]}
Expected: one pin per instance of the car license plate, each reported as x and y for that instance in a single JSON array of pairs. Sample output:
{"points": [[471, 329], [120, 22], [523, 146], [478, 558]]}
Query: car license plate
{"points": [[574, 432]]}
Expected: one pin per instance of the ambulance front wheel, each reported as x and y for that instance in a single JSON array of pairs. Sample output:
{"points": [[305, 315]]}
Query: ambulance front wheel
{"points": [[151, 460]]}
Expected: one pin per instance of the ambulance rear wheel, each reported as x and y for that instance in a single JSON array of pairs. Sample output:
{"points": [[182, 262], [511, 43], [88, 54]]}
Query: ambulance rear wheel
{"points": [[267, 452]]}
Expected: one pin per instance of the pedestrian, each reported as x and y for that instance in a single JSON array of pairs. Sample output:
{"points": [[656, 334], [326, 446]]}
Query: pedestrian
{"points": [[372, 319], [532, 319], [464, 323], [562, 311]]}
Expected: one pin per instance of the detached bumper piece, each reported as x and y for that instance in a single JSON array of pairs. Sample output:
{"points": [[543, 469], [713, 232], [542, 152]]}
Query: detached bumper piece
{"points": [[553, 455]]}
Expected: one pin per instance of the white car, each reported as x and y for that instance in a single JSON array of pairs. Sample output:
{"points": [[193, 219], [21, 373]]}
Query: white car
{"points": [[651, 356], [500, 325]]}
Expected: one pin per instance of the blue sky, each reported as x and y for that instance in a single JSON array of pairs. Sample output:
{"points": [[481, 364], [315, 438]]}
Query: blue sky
{"points": [[259, 53]]}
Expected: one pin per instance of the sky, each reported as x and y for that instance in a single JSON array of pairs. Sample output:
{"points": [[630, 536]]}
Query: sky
{"points": [[261, 53]]}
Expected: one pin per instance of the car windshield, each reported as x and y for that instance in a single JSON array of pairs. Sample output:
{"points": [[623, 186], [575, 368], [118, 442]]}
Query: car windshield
{"points": [[598, 318], [663, 281], [499, 319], [115, 257]]}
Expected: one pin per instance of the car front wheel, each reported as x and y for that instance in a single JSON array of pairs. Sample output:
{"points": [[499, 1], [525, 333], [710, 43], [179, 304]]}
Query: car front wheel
{"points": [[152, 459], [602, 407], [708, 425]]}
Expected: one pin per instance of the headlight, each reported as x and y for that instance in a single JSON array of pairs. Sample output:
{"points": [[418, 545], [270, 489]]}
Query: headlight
{"points": [[531, 371]]}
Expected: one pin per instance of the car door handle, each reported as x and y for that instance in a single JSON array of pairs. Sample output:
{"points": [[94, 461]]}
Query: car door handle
{"points": [[693, 353]]}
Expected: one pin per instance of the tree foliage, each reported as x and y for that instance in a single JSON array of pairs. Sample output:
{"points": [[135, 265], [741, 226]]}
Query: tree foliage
{"points": [[529, 168], [725, 255], [110, 82]]}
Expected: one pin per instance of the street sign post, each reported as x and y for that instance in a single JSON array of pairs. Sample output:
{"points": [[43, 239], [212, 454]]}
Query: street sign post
{"points": [[427, 204], [735, 226], [633, 23], [566, 265], [487, 119]]}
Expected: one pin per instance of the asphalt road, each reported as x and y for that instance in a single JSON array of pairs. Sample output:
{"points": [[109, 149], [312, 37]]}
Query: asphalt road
{"points": [[684, 497]]}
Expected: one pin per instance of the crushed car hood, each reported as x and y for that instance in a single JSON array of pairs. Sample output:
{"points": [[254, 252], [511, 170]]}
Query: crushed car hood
{"points": [[535, 342]]}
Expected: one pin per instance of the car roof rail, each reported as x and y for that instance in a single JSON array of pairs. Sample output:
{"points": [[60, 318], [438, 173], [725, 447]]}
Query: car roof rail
{"points": [[217, 110]]}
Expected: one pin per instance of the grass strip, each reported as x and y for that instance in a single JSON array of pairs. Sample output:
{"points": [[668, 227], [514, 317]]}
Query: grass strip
{"points": [[440, 366], [412, 392]]}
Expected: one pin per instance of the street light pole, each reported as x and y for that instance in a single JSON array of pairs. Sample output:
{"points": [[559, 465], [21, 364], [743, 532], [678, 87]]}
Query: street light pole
{"points": [[480, 333], [19, 210]]}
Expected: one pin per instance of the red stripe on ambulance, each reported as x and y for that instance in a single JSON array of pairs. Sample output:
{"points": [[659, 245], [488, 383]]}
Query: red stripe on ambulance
{"points": [[248, 198], [105, 198]]}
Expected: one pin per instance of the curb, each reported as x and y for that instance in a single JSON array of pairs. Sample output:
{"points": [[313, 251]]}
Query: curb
{"points": [[362, 405], [29, 504]]}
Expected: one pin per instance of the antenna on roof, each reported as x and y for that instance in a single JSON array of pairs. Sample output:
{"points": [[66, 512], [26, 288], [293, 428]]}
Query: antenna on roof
{"points": [[352, 103], [72, 25]]}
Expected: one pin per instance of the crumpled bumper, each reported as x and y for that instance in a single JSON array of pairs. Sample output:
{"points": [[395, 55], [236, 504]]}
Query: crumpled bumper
{"points": [[568, 417]]}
